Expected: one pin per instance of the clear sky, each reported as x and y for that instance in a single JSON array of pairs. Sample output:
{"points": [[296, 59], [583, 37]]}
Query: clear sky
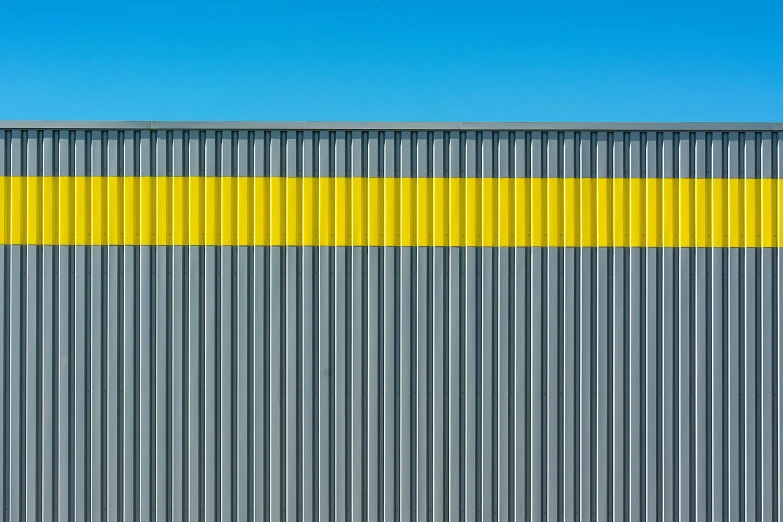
{"points": [[392, 60]]}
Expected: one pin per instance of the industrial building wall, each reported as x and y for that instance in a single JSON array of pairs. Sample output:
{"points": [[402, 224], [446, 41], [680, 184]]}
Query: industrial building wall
{"points": [[439, 322]]}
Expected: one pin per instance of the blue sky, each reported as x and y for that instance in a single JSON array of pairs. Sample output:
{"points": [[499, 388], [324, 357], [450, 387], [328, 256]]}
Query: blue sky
{"points": [[392, 60]]}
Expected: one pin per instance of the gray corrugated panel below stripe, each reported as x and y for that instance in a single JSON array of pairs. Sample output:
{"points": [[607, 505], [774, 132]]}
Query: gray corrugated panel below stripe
{"points": [[106, 447]]}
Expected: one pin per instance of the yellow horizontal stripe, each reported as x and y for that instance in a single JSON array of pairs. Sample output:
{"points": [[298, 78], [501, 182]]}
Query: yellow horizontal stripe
{"points": [[390, 212]]}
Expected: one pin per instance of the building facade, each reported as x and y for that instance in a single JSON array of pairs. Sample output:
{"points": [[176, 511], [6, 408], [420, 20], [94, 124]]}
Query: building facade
{"points": [[350, 321]]}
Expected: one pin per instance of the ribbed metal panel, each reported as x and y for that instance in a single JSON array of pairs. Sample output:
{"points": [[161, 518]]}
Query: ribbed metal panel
{"points": [[390, 383]]}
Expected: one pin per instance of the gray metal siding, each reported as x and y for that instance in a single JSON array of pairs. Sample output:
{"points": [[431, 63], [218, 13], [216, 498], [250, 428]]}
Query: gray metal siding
{"points": [[364, 383]]}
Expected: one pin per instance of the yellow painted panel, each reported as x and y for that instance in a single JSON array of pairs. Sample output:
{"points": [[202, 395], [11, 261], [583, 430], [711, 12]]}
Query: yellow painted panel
{"points": [[506, 215], [408, 207], [587, 196], [310, 214], [293, 211], [538, 225], [671, 205], [5, 210], [196, 211], [360, 211], [163, 211], [741, 216], [18, 210], [604, 211], [277, 206], [554, 214], [718, 217], [440, 217], [752, 214], [572, 232], [212, 211], [34, 222], [148, 208], [456, 211], [262, 211], [408, 212], [653, 231], [99, 220], [391, 202], [243, 211], [472, 220], [131, 206], [732, 212], [50, 211], [66, 215], [342, 204], [686, 214], [489, 202], [701, 202], [768, 213], [227, 217], [180, 213], [424, 211], [638, 212], [82, 207], [116, 209], [620, 216], [521, 197]]}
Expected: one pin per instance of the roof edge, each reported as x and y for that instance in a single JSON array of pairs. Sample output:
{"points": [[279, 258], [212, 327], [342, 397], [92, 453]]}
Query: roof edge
{"points": [[339, 125]]}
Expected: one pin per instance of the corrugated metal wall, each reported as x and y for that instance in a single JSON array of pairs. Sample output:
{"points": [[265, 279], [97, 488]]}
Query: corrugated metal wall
{"points": [[393, 383]]}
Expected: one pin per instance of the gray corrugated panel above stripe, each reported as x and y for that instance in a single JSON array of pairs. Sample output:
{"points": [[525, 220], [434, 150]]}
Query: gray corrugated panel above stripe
{"points": [[491, 152]]}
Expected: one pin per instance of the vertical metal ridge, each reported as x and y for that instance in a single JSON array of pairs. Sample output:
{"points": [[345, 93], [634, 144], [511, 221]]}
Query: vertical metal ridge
{"points": [[677, 364], [777, 169], [4, 374]]}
